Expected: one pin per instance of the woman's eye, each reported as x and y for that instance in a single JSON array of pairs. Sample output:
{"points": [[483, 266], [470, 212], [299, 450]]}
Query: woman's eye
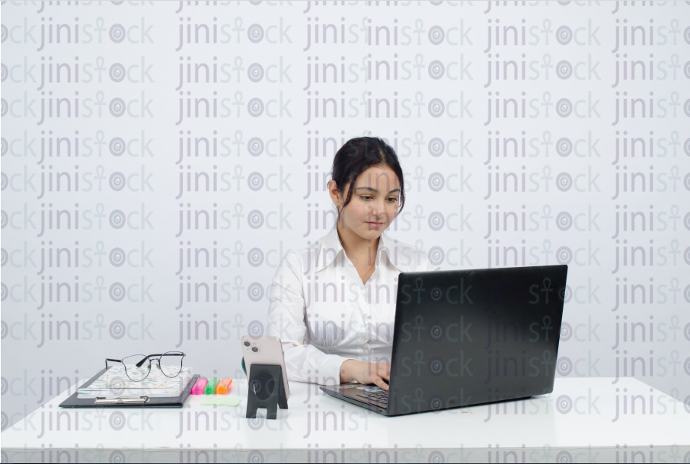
{"points": [[366, 197]]}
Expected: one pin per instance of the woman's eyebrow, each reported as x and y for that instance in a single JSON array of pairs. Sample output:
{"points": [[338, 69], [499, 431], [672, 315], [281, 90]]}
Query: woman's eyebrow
{"points": [[374, 190]]}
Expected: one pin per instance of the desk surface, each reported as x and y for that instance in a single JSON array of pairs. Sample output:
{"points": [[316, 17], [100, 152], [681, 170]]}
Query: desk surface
{"points": [[584, 419]]}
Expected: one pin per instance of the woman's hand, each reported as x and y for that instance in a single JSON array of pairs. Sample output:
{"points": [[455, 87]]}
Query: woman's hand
{"points": [[365, 372]]}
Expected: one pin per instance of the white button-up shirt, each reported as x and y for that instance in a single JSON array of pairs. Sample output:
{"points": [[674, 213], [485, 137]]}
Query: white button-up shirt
{"points": [[324, 314]]}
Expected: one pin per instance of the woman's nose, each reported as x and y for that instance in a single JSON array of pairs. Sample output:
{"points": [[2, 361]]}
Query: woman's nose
{"points": [[377, 210], [377, 207]]}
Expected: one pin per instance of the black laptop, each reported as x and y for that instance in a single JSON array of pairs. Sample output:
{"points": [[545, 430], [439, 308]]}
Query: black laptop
{"points": [[468, 337]]}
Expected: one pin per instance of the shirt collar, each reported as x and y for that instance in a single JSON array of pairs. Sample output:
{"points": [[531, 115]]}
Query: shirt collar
{"points": [[329, 249]]}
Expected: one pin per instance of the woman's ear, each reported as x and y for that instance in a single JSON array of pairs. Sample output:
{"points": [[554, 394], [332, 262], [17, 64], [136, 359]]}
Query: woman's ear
{"points": [[334, 193]]}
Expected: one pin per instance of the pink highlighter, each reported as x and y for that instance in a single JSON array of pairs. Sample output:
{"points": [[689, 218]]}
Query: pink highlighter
{"points": [[198, 388]]}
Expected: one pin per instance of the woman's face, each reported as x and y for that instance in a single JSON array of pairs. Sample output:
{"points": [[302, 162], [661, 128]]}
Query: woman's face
{"points": [[374, 203]]}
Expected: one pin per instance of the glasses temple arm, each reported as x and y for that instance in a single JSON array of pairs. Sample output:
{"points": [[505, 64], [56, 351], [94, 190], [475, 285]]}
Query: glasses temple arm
{"points": [[108, 359]]}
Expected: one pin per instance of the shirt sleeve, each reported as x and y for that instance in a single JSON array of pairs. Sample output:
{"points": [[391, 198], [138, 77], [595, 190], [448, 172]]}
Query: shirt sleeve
{"points": [[286, 320], [432, 267]]}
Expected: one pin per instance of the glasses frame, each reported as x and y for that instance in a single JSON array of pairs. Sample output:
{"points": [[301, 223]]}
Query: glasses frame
{"points": [[151, 357]]}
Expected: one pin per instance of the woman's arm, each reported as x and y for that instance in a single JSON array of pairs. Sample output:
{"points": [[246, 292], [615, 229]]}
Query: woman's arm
{"points": [[286, 320]]}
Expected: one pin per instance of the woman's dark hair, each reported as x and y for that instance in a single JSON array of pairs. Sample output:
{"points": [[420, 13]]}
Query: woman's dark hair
{"points": [[359, 154]]}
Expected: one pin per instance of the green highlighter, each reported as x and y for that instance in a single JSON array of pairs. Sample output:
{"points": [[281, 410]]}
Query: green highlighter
{"points": [[210, 388]]}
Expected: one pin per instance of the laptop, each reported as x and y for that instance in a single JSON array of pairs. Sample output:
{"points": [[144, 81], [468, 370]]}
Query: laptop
{"points": [[469, 337]]}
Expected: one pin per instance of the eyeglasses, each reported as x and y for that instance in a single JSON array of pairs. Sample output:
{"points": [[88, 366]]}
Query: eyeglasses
{"points": [[138, 366]]}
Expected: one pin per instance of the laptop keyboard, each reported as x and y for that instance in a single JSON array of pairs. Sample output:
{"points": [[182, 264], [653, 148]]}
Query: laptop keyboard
{"points": [[378, 396]]}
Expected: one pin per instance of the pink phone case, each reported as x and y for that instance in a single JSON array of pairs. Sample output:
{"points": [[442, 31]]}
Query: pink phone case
{"points": [[270, 351], [198, 388]]}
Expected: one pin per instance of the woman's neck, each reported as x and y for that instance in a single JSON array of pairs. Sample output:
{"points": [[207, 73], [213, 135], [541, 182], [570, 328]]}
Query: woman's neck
{"points": [[362, 252]]}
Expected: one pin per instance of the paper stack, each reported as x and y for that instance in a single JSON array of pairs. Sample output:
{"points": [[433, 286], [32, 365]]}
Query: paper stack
{"points": [[114, 383]]}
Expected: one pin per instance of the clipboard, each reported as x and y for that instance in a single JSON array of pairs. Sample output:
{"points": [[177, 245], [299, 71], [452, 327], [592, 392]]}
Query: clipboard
{"points": [[141, 401]]}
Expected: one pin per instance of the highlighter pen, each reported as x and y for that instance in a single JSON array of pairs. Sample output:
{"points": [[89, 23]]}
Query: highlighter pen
{"points": [[223, 386], [210, 388], [198, 388]]}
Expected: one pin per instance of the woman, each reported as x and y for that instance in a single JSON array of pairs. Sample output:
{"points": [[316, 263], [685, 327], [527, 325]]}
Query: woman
{"points": [[333, 303]]}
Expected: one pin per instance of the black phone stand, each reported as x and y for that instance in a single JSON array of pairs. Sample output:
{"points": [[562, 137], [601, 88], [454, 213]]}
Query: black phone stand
{"points": [[266, 390]]}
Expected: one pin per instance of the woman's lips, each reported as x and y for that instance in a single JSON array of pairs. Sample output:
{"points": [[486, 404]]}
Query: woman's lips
{"points": [[376, 224]]}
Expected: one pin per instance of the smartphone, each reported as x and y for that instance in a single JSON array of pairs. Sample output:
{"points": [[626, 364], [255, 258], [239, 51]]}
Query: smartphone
{"points": [[264, 350]]}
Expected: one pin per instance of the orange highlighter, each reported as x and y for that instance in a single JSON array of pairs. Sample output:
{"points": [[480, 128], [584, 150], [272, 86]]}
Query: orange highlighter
{"points": [[223, 386]]}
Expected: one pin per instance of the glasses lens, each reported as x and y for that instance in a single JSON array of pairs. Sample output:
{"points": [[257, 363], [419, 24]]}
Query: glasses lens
{"points": [[171, 363], [134, 372]]}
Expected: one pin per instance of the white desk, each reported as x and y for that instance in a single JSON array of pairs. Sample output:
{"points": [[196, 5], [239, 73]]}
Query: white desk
{"points": [[575, 423]]}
